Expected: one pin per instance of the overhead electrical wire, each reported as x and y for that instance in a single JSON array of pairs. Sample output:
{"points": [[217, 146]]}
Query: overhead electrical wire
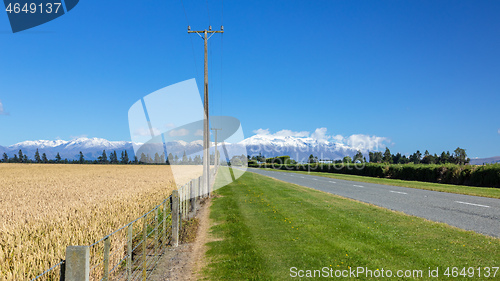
{"points": [[192, 44], [221, 54]]}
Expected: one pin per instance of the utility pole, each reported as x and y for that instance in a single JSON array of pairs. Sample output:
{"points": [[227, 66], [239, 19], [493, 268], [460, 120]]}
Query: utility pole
{"points": [[206, 133], [216, 154]]}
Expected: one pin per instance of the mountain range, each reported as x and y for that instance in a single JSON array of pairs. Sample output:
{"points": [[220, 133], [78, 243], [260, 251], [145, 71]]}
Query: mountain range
{"points": [[270, 146], [298, 148]]}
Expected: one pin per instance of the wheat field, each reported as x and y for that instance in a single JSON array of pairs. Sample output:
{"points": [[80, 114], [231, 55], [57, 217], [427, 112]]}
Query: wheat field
{"points": [[44, 208]]}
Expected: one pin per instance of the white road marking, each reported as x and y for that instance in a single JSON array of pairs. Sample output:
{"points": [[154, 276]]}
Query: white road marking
{"points": [[357, 185], [315, 179], [398, 192], [484, 206], [302, 177], [332, 182]]}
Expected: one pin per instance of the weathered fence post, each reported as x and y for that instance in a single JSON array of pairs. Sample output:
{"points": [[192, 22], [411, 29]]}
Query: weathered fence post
{"points": [[164, 223], [144, 246], [77, 263], [157, 226], [192, 196], [175, 218], [129, 252], [200, 192], [107, 247]]}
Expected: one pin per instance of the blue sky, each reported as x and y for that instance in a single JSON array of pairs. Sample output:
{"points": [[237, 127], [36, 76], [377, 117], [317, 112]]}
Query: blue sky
{"points": [[422, 74]]}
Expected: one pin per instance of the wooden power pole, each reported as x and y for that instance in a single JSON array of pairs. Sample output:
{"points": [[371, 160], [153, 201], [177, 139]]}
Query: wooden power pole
{"points": [[206, 133]]}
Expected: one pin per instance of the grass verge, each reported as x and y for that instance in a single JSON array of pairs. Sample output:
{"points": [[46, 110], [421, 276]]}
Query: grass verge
{"points": [[490, 192], [265, 227]]}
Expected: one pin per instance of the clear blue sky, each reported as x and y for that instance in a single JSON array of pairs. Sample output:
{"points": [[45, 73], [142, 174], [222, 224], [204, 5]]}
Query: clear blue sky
{"points": [[424, 74]]}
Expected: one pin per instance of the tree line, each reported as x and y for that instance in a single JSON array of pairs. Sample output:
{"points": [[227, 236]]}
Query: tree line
{"points": [[113, 158], [459, 156], [21, 157]]}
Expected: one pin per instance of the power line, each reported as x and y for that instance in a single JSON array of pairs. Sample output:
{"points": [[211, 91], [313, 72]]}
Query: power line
{"points": [[221, 54], [192, 44], [206, 1]]}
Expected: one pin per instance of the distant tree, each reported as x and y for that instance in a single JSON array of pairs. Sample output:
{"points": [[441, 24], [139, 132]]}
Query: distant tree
{"points": [[81, 159], [416, 157], [136, 161], [347, 159], [21, 156], [44, 158], [387, 156], [260, 157], [15, 159], [5, 158], [184, 158], [461, 156], [375, 157], [157, 158], [197, 160], [37, 157], [58, 158], [396, 159], [176, 159], [404, 160], [143, 158], [124, 158], [162, 158], [113, 158], [312, 159], [170, 159], [103, 159], [429, 159], [358, 157], [25, 160]]}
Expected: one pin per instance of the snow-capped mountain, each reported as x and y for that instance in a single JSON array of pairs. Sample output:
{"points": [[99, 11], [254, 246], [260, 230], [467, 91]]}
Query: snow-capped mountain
{"points": [[90, 147], [298, 148]]}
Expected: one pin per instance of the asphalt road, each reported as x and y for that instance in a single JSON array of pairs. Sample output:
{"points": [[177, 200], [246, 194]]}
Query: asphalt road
{"points": [[479, 214]]}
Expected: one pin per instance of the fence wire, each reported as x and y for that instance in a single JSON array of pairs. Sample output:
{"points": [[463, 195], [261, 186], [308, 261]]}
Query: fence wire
{"points": [[132, 252]]}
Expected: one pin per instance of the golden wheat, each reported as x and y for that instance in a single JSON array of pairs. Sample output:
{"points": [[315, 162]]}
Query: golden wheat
{"points": [[44, 208]]}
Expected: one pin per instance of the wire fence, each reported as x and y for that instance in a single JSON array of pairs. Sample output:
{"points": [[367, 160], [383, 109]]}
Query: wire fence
{"points": [[132, 252]]}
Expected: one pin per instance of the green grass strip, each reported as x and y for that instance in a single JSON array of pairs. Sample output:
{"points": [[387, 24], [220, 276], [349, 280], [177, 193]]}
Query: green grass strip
{"points": [[490, 192], [265, 227]]}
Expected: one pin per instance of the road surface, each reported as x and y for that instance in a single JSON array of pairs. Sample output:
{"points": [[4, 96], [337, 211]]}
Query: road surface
{"points": [[479, 214]]}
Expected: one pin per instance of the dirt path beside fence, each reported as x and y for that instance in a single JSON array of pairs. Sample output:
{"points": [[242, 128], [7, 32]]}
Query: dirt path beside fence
{"points": [[186, 261]]}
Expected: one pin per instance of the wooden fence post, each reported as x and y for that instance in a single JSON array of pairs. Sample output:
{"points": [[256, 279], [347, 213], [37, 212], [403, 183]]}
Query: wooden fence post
{"points": [[77, 263], [192, 196], [144, 246], [157, 226], [175, 218], [129, 252], [164, 223], [107, 247]]}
